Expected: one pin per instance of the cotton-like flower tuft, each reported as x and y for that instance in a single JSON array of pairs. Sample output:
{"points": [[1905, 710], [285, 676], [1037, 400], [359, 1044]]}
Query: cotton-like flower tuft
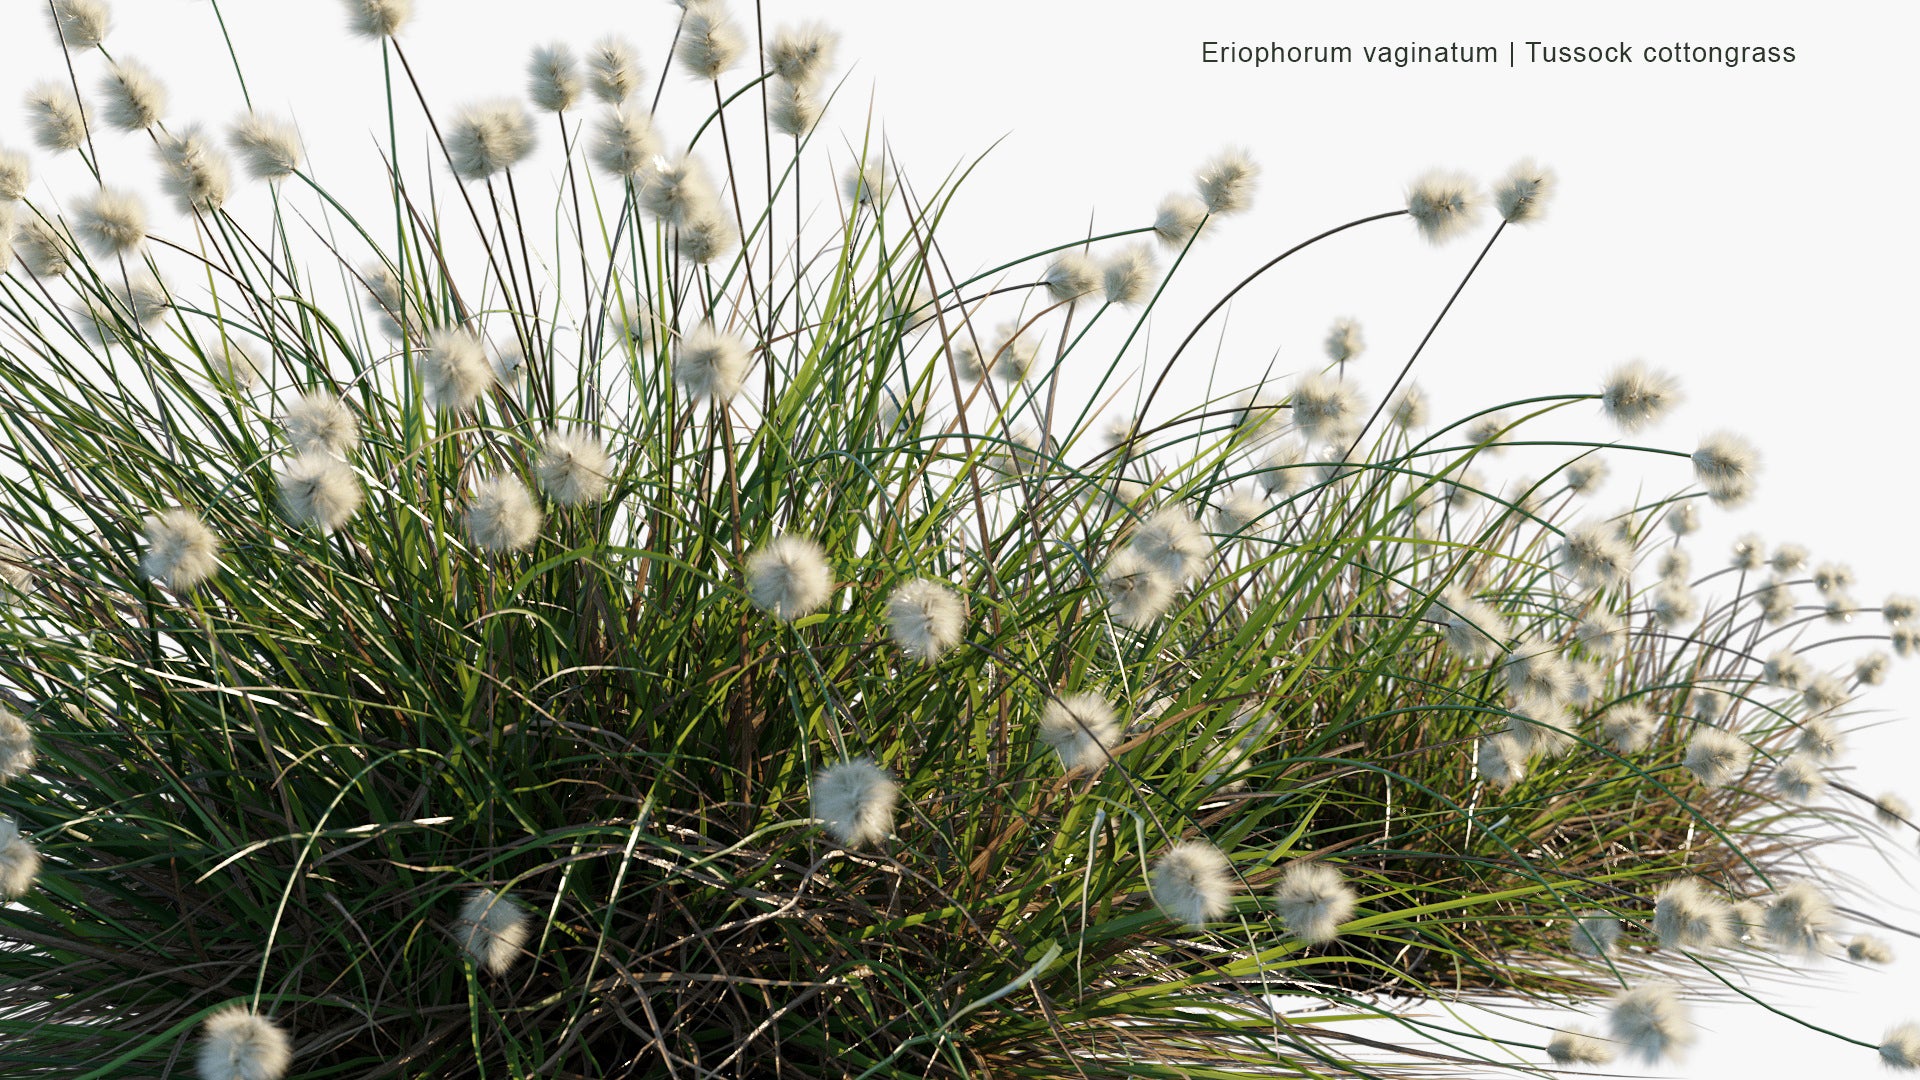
{"points": [[1628, 728], [613, 70], [19, 861], [710, 365], [1443, 204], [1595, 556], [1081, 728], [624, 143], [855, 800], [706, 236], [1128, 276], [1344, 341], [926, 618], [453, 369], [1225, 183], [1577, 1047], [1786, 669], [1687, 916], [181, 550], [196, 173], [1906, 640], [378, 19], [1178, 220], [16, 175], [1534, 667], [788, 577], [1717, 757], [1070, 275], [1596, 933], [1709, 706], [110, 222], [679, 192], [553, 77], [1137, 590], [1788, 559], [1193, 883], [709, 42], [1409, 409], [868, 183], [1683, 519], [1540, 724], [573, 467], [1601, 633], [1474, 630], [1892, 810], [44, 250], [320, 490], [268, 146], [16, 746], [1726, 466], [793, 108], [1313, 899], [1799, 778], [1868, 949], [1586, 474], [1501, 760], [487, 138], [502, 516], [318, 422], [1241, 513], [1900, 1047], [237, 1043], [1824, 693], [80, 24], [1832, 578], [1652, 1022], [492, 929], [134, 97], [1674, 604], [1325, 409], [1522, 195], [801, 54], [1173, 543], [1900, 609], [58, 120], [1799, 918]]}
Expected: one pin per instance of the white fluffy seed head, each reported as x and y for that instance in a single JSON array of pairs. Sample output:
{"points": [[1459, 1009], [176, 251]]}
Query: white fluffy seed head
{"points": [[1129, 275], [110, 222], [1900, 609], [1628, 727], [709, 42], [16, 175], [1601, 633], [710, 365], [488, 137], [1726, 466], [196, 175], [237, 1043], [1540, 724], [573, 467], [624, 143], [80, 24], [1474, 630], [1868, 949], [134, 97], [1674, 604], [1595, 556], [1325, 409], [269, 147], [43, 249], [1409, 409], [553, 77], [1193, 883], [1786, 669], [58, 120], [317, 422], [613, 70], [926, 618], [1178, 220], [801, 54], [1443, 204], [1173, 542], [1241, 513], [319, 490], [855, 800], [1900, 1047], [1138, 592], [1522, 195], [182, 551], [868, 183], [502, 516], [1687, 916], [788, 577], [1081, 728], [1906, 641], [1313, 899], [1683, 519], [19, 861], [1799, 918], [793, 108], [1717, 757], [1576, 1047], [1596, 933], [679, 193], [1344, 341], [1892, 810], [453, 369], [492, 929], [1586, 474], [1534, 667], [1225, 183], [1824, 694], [16, 746], [706, 237], [1501, 760], [376, 19], [1799, 778], [1652, 1022], [1070, 275]]}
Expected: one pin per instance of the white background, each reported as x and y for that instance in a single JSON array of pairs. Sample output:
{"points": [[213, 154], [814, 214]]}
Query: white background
{"points": [[1750, 229]]}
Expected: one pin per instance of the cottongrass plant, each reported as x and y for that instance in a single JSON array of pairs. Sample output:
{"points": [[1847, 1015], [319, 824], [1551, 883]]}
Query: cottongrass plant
{"points": [[620, 605]]}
